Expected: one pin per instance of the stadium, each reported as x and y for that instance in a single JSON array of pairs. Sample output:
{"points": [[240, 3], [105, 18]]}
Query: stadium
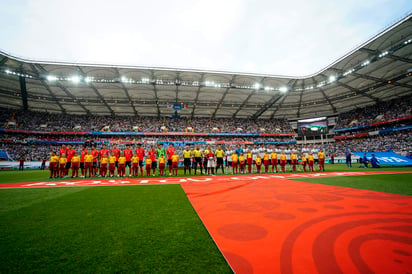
{"points": [[159, 169]]}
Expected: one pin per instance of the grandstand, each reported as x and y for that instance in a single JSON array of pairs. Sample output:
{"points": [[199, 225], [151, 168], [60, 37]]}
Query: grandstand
{"points": [[254, 220]]}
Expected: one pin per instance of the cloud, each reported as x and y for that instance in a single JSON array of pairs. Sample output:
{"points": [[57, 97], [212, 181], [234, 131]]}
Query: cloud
{"points": [[295, 37]]}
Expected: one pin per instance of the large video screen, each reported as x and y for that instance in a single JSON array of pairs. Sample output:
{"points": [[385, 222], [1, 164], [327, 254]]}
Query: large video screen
{"points": [[314, 126]]}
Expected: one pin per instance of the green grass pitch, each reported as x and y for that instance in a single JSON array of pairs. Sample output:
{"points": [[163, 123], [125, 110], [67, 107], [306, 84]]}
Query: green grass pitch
{"points": [[129, 229]]}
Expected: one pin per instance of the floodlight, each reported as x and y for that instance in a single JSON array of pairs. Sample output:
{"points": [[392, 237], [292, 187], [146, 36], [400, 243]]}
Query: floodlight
{"points": [[51, 78], [75, 79], [283, 89], [256, 86], [332, 78]]}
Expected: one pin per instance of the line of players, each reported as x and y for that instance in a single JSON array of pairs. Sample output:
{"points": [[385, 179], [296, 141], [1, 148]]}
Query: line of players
{"points": [[104, 162]]}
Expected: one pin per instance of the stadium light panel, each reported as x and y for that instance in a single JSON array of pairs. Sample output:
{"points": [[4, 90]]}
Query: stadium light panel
{"points": [[88, 79], [332, 78], [283, 89], [8, 71], [51, 78], [75, 79], [256, 86]]}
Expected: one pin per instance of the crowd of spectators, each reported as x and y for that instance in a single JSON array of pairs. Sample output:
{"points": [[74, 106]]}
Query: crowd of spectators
{"points": [[85, 123], [17, 144], [378, 112], [399, 142]]}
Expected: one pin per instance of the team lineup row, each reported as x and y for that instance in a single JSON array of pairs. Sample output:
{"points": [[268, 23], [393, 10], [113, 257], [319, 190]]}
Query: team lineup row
{"points": [[104, 162]]}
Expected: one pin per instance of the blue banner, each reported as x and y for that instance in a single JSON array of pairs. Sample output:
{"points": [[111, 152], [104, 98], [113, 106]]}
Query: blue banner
{"points": [[234, 134], [383, 131], [275, 142], [350, 128], [115, 133], [387, 158]]}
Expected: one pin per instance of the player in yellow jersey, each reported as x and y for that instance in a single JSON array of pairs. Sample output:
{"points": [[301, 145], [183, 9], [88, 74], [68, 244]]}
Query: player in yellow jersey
{"points": [[310, 161], [321, 160], [235, 159], [274, 156], [304, 161], [220, 154], [121, 168], [162, 165], [242, 163], [266, 161], [258, 162], [103, 164], [282, 159], [88, 164], [294, 159], [53, 165], [148, 165], [175, 164], [249, 160], [62, 165], [187, 154], [75, 165], [135, 165], [112, 163]]}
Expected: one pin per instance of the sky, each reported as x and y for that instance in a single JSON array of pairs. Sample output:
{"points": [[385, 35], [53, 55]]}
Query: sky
{"points": [[293, 38]]}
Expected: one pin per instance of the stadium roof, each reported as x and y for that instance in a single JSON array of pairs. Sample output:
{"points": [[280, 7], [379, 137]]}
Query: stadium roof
{"points": [[378, 70]]}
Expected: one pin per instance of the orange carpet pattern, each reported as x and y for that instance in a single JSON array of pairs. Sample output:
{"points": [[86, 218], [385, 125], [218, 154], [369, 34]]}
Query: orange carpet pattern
{"points": [[274, 225]]}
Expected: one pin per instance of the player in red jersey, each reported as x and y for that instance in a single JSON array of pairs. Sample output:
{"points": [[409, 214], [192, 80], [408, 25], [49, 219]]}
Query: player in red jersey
{"points": [[103, 151], [116, 153], [170, 152], [69, 154], [62, 150], [128, 153], [95, 154], [152, 154], [140, 153], [82, 154]]}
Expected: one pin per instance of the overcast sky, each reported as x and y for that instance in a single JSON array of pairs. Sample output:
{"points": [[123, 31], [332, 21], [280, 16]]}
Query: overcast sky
{"points": [[290, 37]]}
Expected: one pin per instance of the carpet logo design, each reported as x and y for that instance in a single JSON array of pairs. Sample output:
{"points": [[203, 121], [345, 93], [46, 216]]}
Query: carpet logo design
{"points": [[281, 226], [179, 180]]}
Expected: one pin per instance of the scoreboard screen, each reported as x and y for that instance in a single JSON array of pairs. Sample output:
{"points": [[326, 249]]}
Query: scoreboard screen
{"points": [[314, 126]]}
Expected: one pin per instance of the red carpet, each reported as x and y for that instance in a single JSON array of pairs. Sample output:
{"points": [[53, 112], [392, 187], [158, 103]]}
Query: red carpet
{"points": [[272, 225]]}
